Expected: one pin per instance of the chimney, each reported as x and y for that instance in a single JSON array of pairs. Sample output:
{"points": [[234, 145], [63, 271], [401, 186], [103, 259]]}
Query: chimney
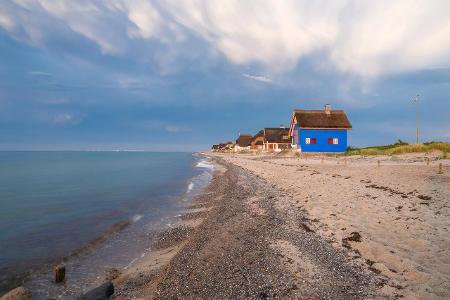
{"points": [[327, 109]]}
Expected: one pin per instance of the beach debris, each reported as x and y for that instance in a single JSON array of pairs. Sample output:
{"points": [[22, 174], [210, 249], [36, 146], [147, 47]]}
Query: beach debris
{"points": [[354, 237], [102, 292], [424, 197], [373, 266], [378, 163], [111, 274], [306, 227], [19, 293], [441, 170], [428, 161], [59, 273]]}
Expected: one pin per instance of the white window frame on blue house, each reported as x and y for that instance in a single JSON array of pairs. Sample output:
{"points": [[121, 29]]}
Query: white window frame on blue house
{"points": [[335, 141], [307, 141]]}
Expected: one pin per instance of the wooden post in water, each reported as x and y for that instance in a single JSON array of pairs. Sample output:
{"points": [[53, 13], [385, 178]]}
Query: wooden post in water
{"points": [[441, 170], [428, 161], [60, 273], [378, 163]]}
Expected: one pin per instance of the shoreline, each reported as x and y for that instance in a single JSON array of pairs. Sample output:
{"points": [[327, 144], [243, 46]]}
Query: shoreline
{"points": [[288, 227], [244, 245]]}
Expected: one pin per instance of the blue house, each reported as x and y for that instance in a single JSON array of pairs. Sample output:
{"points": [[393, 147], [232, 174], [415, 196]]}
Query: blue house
{"points": [[319, 130]]}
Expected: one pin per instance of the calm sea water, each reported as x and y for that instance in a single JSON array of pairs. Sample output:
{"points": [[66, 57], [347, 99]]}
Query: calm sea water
{"points": [[80, 207]]}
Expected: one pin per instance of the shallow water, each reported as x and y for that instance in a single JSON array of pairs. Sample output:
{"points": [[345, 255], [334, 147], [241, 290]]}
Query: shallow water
{"points": [[91, 210]]}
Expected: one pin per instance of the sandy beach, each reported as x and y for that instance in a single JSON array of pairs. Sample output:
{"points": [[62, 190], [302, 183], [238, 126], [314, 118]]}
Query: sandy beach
{"points": [[394, 218], [284, 227], [306, 228]]}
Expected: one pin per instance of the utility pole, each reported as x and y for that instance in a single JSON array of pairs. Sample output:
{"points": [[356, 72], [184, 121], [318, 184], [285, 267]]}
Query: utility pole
{"points": [[415, 101]]}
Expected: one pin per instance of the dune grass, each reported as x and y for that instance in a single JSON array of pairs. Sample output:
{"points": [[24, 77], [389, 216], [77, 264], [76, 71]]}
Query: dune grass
{"points": [[401, 148]]}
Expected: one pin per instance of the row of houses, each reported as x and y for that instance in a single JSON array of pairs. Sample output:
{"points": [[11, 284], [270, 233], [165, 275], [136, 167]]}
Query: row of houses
{"points": [[322, 130]]}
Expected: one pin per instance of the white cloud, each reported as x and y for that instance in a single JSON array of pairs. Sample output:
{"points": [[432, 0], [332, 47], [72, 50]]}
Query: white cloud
{"points": [[143, 15], [130, 83], [259, 78], [173, 128], [383, 37], [61, 118], [366, 38], [273, 33], [64, 118]]}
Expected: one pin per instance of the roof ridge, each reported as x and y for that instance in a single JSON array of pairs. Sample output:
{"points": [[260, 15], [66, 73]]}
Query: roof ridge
{"points": [[317, 110]]}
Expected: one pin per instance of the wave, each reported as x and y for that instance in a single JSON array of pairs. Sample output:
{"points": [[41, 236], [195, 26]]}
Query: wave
{"points": [[205, 164], [190, 187], [136, 218]]}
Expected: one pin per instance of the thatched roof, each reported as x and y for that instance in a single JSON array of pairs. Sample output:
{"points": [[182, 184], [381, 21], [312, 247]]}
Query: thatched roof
{"points": [[272, 135], [321, 119], [244, 140], [276, 135]]}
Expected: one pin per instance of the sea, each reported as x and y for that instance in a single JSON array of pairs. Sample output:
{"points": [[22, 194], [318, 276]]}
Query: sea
{"points": [[88, 210]]}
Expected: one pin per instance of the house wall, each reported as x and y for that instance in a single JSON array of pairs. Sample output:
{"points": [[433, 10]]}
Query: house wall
{"points": [[322, 136], [253, 144]]}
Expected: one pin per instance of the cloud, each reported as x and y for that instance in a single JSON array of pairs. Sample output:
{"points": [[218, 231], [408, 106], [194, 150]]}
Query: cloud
{"points": [[173, 128], [130, 83], [387, 37], [365, 38], [161, 125], [61, 118], [259, 78], [64, 118], [39, 73], [143, 16]]}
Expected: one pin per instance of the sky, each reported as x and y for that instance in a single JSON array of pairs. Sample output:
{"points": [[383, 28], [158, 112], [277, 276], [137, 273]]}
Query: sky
{"points": [[182, 75]]}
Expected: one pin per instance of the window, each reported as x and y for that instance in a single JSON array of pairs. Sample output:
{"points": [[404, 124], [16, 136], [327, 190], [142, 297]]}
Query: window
{"points": [[335, 141], [310, 141], [330, 141]]}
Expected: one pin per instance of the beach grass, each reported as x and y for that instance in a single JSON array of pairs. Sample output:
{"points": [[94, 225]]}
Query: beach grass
{"points": [[401, 148]]}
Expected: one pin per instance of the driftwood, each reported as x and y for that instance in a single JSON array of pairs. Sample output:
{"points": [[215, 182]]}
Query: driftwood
{"points": [[60, 273]]}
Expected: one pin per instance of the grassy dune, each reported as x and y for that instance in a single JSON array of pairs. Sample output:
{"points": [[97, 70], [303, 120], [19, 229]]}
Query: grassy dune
{"points": [[401, 148]]}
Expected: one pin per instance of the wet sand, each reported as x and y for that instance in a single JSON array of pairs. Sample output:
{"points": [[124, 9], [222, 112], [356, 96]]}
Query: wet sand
{"points": [[247, 237]]}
